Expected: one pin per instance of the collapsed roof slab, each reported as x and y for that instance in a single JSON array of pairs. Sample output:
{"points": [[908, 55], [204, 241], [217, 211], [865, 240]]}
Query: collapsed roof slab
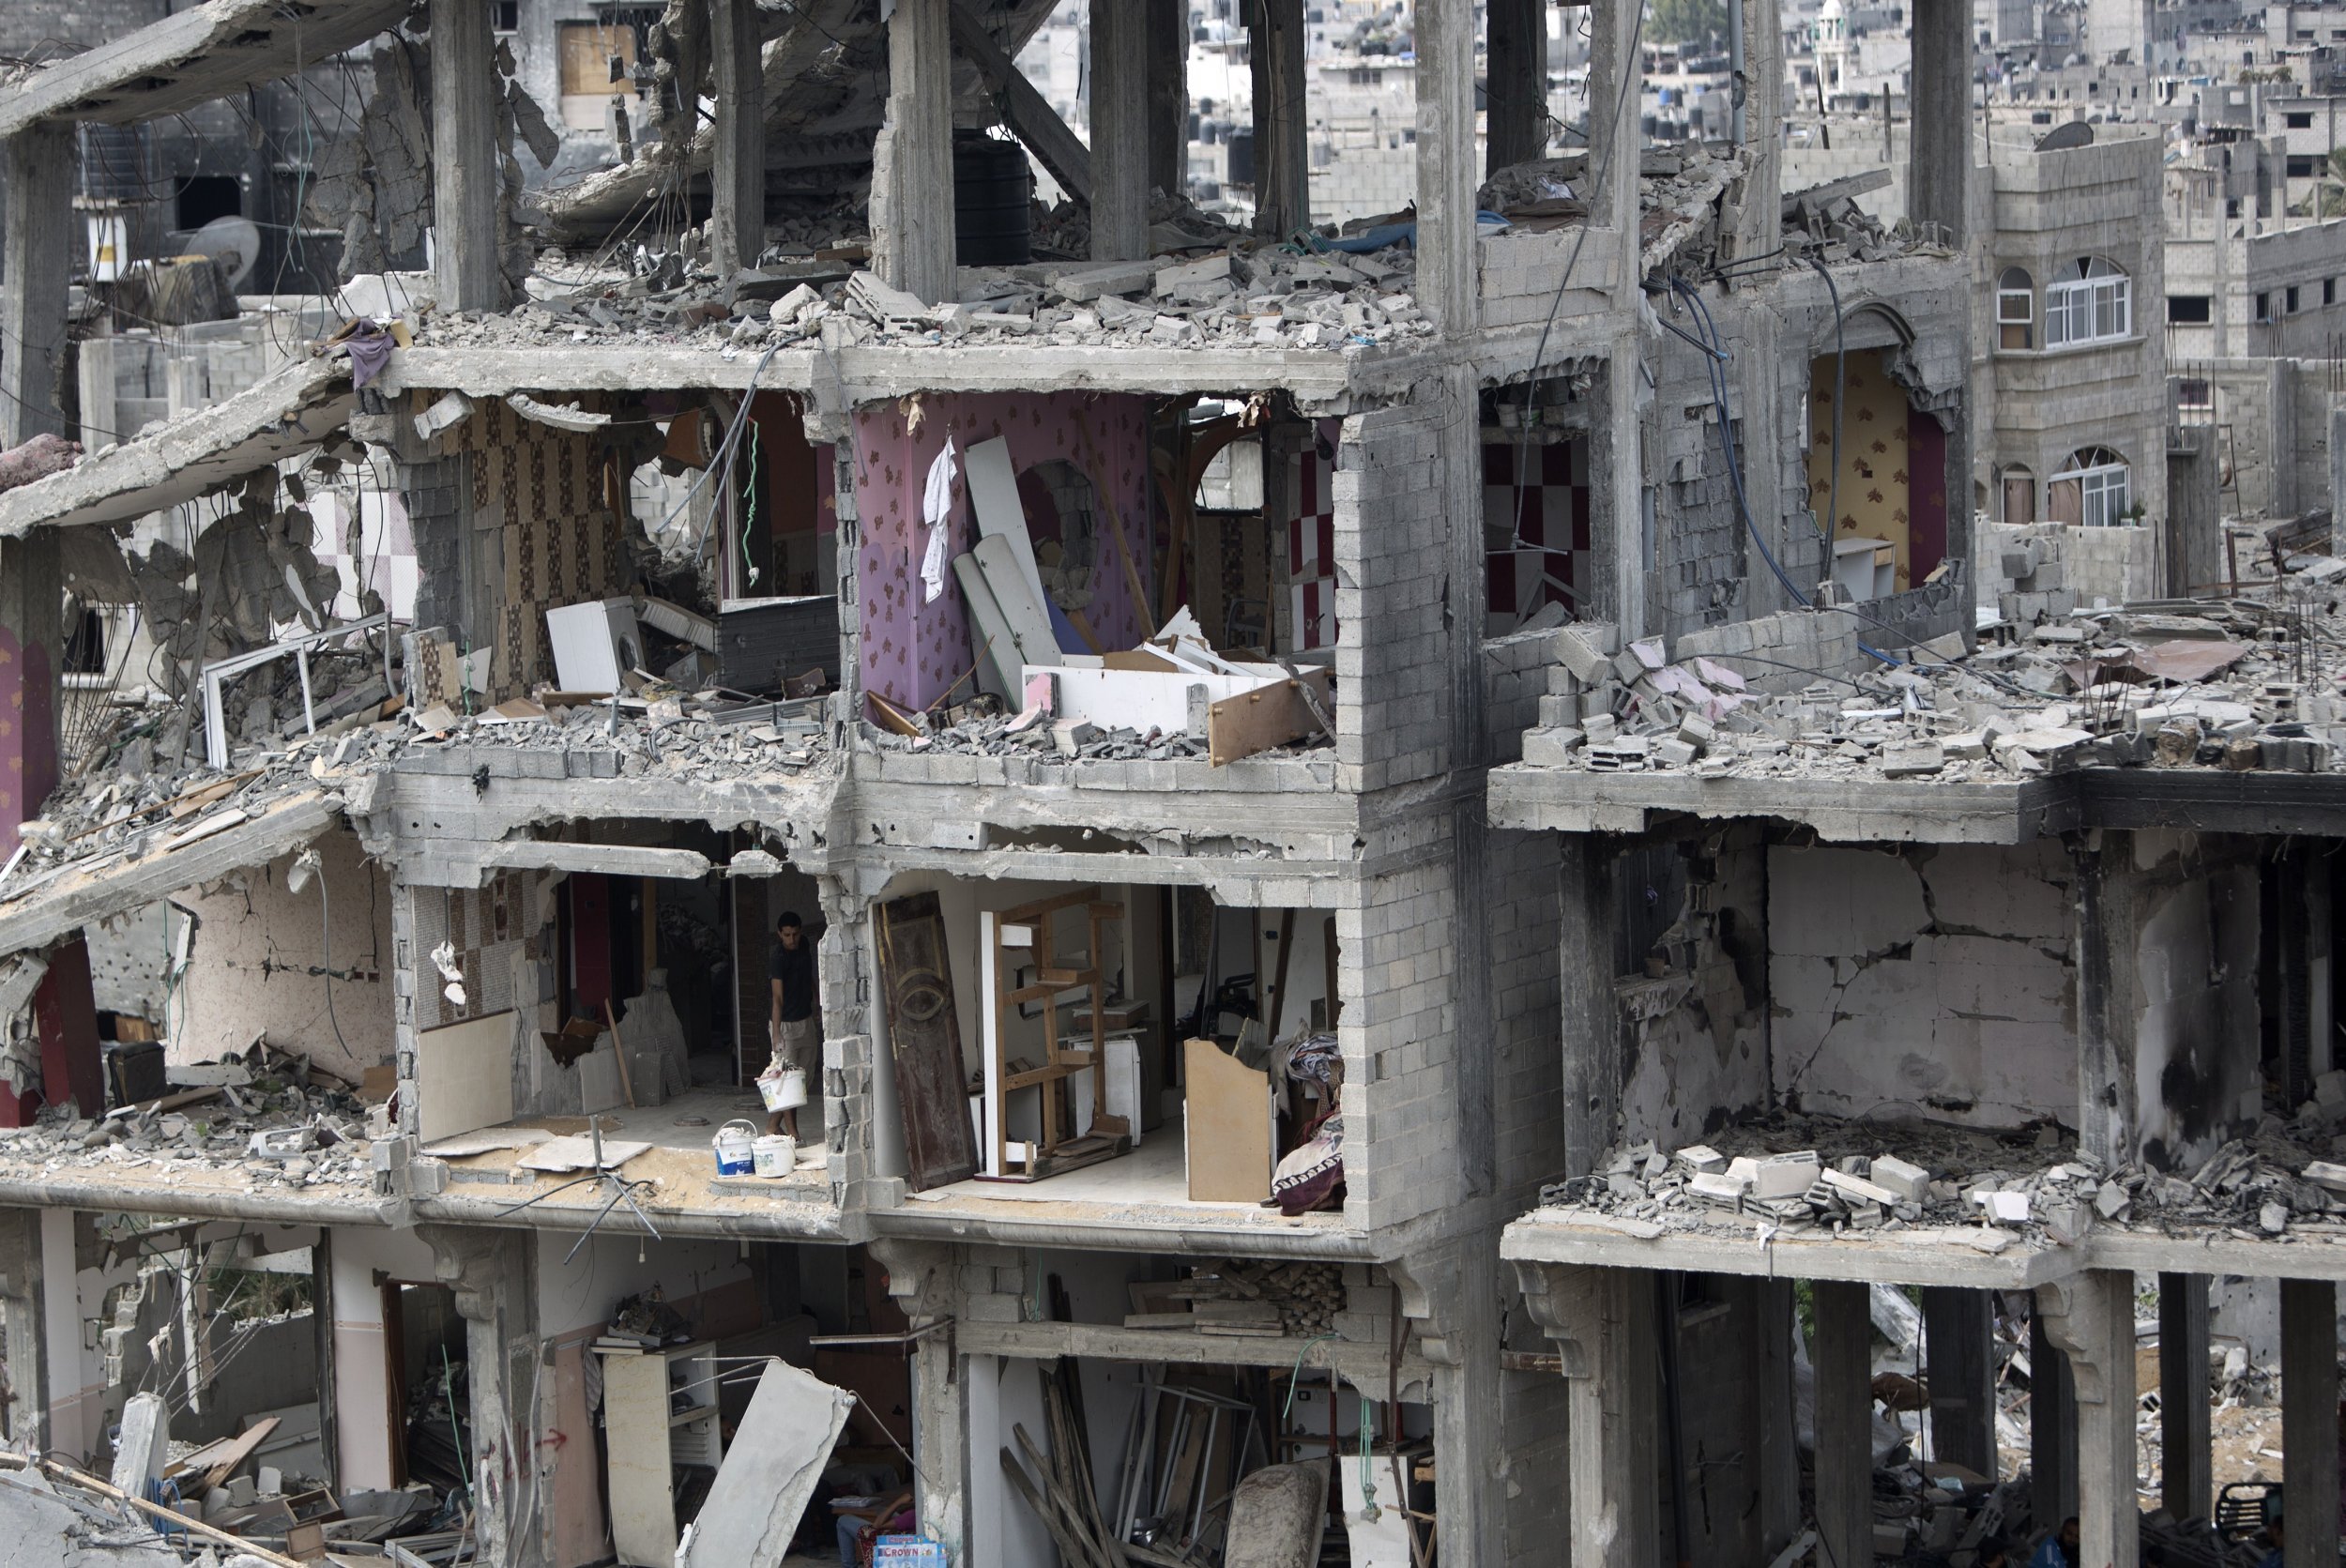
{"points": [[223, 1192], [1859, 811], [82, 893], [1888, 811], [289, 412], [1323, 380], [207, 51], [1933, 1255]]}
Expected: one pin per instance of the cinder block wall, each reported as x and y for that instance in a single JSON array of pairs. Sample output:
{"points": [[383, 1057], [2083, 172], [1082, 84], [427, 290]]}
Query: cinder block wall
{"points": [[1393, 645], [1527, 1028]]}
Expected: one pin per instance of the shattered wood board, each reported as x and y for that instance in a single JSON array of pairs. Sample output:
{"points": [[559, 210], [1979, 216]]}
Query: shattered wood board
{"points": [[994, 504], [924, 1042], [463, 1076], [1022, 608], [1271, 714], [562, 1156]]}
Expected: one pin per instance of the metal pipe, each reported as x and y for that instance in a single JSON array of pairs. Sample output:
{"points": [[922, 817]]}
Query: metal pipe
{"points": [[1735, 70]]}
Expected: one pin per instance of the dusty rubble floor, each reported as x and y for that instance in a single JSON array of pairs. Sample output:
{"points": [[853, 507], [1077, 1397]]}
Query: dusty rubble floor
{"points": [[680, 1165]]}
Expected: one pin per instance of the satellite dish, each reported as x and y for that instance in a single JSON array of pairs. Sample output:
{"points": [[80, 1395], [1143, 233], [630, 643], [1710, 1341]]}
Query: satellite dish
{"points": [[2076, 134], [234, 242]]}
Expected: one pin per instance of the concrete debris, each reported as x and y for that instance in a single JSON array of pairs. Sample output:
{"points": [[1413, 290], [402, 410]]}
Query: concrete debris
{"points": [[132, 800], [1786, 1174], [289, 1124], [1274, 296], [36, 459], [1238, 1299], [2248, 683]]}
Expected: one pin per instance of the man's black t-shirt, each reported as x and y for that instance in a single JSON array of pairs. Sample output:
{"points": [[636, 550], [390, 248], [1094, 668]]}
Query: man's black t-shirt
{"points": [[795, 968]]}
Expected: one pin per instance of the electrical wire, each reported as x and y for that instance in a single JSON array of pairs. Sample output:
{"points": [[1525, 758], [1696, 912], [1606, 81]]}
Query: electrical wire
{"points": [[1602, 167], [1840, 364]]}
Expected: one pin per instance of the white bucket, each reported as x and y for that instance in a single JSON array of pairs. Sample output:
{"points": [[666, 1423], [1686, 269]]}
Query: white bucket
{"points": [[783, 1092], [735, 1143], [775, 1154]]}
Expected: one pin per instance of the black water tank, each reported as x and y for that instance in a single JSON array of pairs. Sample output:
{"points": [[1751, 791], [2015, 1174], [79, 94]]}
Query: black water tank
{"points": [[1242, 157], [993, 201]]}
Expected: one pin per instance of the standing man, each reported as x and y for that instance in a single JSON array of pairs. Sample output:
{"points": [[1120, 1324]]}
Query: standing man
{"points": [[797, 1037]]}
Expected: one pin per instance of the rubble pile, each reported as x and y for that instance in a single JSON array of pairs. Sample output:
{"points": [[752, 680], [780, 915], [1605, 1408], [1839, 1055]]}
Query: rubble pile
{"points": [[2241, 684], [1273, 296], [273, 1113], [1235, 1298], [129, 803], [1787, 1175], [1175, 223]]}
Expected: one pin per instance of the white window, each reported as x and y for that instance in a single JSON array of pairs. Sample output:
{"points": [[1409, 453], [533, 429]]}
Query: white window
{"points": [[2093, 490], [2092, 302], [2015, 309]]}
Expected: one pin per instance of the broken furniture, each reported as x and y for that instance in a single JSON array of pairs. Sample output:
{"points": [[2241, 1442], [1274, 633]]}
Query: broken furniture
{"points": [[659, 1411], [1028, 937], [1230, 1125], [1183, 1449], [762, 644], [218, 673]]}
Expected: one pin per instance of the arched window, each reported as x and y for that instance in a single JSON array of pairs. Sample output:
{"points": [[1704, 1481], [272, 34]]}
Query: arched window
{"points": [[2091, 489], [2020, 493], [2015, 309], [2091, 301]]}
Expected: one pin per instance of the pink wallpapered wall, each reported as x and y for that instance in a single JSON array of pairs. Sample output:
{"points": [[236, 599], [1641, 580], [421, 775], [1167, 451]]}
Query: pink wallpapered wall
{"points": [[914, 651], [28, 735]]}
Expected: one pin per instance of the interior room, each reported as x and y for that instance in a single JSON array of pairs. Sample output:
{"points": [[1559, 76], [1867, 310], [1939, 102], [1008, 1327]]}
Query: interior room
{"points": [[1070, 1043], [1152, 1452], [1887, 498], [1014, 533], [550, 997]]}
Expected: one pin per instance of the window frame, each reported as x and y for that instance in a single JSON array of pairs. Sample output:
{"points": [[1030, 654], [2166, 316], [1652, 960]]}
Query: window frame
{"points": [[2016, 307], [2094, 305], [2105, 487]]}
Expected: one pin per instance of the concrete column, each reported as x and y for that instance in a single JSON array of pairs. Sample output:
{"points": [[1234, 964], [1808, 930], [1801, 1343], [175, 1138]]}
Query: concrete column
{"points": [[736, 218], [2106, 978], [492, 1276], [1775, 1436], [1614, 72], [23, 1334], [1168, 46], [1957, 1325], [2091, 1317], [2187, 1463], [1516, 122], [1602, 1322], [1454, 1297], [1759, 225], [1941, 95], [1592, 1043], [1447, 286], [1119, 130], [2052, 1426], [1844, 1364], [37, 260], [912, 159], [921, 1278], [1283, 164], [2309, 1422], [467, 170]]}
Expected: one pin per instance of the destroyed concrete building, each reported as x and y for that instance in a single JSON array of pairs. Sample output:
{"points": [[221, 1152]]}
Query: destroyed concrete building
{"points": [[1226, 710]]}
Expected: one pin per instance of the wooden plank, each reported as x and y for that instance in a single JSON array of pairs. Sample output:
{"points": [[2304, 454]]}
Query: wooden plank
{"points": [[1020, 601], [1227, 1126], [997, 512], [246, 1444], [1033, 119], [924, 1042], [1269, 715], [998, 671]]}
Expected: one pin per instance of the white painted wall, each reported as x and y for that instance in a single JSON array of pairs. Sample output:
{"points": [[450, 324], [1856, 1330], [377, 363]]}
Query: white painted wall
{"points": [[362, 1395]]}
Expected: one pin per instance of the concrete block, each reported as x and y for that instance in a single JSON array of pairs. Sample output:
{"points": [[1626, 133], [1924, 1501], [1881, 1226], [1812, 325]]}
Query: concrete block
{"points": [[990, 1309], [1580, 650], [1560, 712], [1910, 1184], [1551, 747], [1784, 1175]]}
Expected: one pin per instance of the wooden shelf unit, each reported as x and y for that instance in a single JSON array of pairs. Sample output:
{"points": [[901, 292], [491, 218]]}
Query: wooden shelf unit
{"points": [[1056, 1150]]}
